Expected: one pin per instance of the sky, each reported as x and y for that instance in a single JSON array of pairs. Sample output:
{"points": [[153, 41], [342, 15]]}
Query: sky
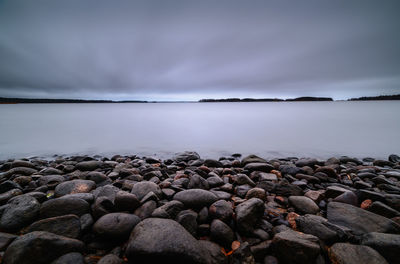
{"points": [[189, 50]]}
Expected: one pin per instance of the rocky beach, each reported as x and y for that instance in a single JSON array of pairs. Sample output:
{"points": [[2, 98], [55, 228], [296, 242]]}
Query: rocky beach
{"points": [[131, 209]]}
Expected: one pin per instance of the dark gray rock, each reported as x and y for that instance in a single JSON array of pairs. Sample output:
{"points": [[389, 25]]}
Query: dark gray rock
{"points": [[70, 258], [248, 214], [168, 210], [6, 196], [304, 205], [115, 226], [388, 245], [146, 209], [197, 182], [264, 167], [317, 226], [213, 163], [244, 179], [125, 201], [64, 206], [360, 221], [294, 247], [110, 259], [347, 197], [66, 225], [287, 189], [74, 186], [102, 206], [195, 198], [40, 247], [215, 256], [186, 156], [383, 209], [156, 240], [354, 254], [19, 212], [86, 222], [221, 210], [188, 219], [141, 189], [90, 165], [252, 159], [96, 176], [5, 240], [221, 233]]}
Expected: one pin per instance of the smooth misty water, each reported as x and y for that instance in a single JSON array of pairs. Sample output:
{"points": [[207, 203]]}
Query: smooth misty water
{"points": [[317, 129]]}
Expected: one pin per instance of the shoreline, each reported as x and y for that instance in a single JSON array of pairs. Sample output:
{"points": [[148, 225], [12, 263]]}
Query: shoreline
{"points": [[185, 209]]}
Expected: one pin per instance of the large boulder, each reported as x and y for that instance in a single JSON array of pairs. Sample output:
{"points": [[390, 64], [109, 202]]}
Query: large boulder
{"points": [[74, 186], [40, 247], [248, 214], [295, 247], [196, 198], [156, 240], [359, 220], [20, 212], [344, 253]]}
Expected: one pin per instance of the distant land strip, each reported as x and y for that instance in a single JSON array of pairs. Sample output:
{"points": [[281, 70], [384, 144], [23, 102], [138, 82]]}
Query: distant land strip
{"points": [[5, 100]]}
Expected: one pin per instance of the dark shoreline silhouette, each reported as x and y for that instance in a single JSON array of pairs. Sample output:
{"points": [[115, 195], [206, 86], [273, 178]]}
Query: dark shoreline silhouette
{"points": [[5, 100]]}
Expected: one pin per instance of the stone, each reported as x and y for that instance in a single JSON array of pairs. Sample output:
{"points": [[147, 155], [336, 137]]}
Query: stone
{"points": [[169, 210], [19, 212], [6, 196], [248, 214], [188, 219], [146, 209], [141, 189], [195, 198], [317, 226], [197, 182], [244, 179], [252, 159], [286, 189], [256, 193], [156, 240], [214, 252], [295, 247], [360, 221], [66, 225], [347, 197], [304, 204], [214, 181], [221, 210], [354, 254], [74, 186], [115, 226], [70, 258], [40, 247], [125, 201], [388, 245], [64, 206], [316, 196], [383, 209], [264, 167], [90, 165], [306, 162], [213, 163], [186, 156], [110, 259], [86, 222], [5, 240], [96, 176], [221, 233], [263, 176], [334, 191]]}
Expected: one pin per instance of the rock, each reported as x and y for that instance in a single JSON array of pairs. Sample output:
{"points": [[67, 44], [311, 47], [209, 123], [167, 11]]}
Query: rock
{"points": [[221, 233], [115, 226], [242, 179], [383, 209], [214, 252], [22, 163], [6, 196], [289, 169], [102, 206], [125, 201], [256, 193], [295, 247], [9, 185], [317, 226], [263, 176], [96, 176], [51, 171], [40, 247], [304, 204], [354, 254], [146, 209], [66, 225], [388, 245], [20, 212], [359, 220], [221, 210], [86, 221], [248, 214], [287, 189], [19, 170], [394, 158], [348, 198], [264, 167], [328, 171], [140, 189], [5, 240], [214, 181], [316, 196], [195, 198], [64, 206], [156, 240], [383, 163], [110, 259], [186, 156], [334, 191], [70, 258], [168, 210], [306, 162], [188, 219], [74, 186], [89, 165], [252, 159], [213, 163], [197, 182]]}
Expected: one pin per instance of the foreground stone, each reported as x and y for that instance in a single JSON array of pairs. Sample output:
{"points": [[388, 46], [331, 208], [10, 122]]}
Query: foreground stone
{"points": [[157, 240], [195, 198], [40, 247], [344, 253], [21, 211]]}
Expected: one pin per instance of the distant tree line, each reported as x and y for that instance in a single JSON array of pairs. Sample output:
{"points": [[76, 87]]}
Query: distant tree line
{"points": [[381, 97]]}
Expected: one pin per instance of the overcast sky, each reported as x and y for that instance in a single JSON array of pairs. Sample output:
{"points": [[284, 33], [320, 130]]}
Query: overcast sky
{"points": [[188, 50]]}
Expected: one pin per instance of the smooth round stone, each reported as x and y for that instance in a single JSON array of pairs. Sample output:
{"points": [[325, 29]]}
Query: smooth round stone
{"points": [[304, 204], [115, 225], [195, 198], [74, 186]]}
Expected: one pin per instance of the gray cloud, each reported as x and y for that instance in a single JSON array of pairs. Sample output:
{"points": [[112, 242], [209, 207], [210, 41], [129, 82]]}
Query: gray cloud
{"points": [[198, 49]]}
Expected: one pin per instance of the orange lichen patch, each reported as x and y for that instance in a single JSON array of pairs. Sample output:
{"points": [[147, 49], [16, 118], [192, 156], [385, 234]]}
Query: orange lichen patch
{"points": [[366, 203], [235, 245], [95, 258], [81, 188], [280, 199], [291, 218], [348, 176], [277, 173], [275, 211], [179, 176]]}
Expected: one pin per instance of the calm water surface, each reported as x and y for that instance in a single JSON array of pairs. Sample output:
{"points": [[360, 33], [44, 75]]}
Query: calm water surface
{"points": [[317, 129]]}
